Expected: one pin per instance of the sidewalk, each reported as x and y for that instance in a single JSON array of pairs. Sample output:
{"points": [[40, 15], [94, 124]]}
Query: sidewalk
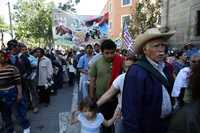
{"points": [[47, 119], [64, 126]]}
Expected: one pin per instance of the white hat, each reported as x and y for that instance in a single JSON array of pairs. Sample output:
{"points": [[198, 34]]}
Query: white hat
{"points": [[81, 48], [150, 34]]}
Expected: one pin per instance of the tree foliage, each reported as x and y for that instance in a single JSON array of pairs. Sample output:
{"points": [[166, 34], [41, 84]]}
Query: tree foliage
{"points": [[33, 21], [68, 6], [3, 28], [147, 15], [3, 25]]}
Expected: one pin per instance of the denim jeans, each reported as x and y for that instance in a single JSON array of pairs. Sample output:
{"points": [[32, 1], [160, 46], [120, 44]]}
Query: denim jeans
{"points": [[83, 86], [119, 126], [30, 93], [8, 100]]}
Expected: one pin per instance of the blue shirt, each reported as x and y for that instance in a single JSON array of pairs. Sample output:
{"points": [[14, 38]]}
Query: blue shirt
{"points": [[178, 66], [83, 62], [13, 59], [33, 60], [191, 51]]}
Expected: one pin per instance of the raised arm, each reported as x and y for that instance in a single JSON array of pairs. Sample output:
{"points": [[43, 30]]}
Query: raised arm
{"points": [[107, 95]]}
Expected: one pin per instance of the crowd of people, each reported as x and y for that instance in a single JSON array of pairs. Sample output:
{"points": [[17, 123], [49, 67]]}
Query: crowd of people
{"points": [[153, 91], [28, 77], [157, 89]]}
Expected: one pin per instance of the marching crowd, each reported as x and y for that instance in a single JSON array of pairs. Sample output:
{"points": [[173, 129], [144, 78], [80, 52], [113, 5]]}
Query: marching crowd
{"points": [[154, 91]]}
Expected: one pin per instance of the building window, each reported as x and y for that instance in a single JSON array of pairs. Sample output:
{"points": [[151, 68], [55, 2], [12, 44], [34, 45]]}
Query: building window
{"points": [[125, 19], [198, 24], [126, 2]]}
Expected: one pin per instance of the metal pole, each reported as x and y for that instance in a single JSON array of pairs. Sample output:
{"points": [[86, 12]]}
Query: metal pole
{"points": [[10, 18], [167, 14]]}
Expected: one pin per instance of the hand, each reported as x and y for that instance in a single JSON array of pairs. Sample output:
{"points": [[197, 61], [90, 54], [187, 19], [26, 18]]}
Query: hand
{"points": [[117, 114], [69, 120], [19, 97]]}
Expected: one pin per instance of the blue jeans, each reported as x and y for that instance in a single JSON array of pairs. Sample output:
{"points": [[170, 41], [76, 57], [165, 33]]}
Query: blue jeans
{"points": [[119, 126], [83, 86], [8, 101]]}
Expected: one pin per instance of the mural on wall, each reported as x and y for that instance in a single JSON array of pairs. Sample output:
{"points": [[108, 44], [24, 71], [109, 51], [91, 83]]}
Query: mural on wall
{"points": [[71, 29]]}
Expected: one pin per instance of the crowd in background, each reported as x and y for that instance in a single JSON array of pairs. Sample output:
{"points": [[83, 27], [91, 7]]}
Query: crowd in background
{"points": [[139, 93]]}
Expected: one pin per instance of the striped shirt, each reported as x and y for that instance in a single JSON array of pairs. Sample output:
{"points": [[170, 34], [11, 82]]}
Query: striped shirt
{"points": [[9, 76]]}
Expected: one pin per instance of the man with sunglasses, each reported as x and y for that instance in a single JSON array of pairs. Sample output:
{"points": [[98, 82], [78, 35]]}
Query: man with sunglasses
{"points": [[181, 83]]}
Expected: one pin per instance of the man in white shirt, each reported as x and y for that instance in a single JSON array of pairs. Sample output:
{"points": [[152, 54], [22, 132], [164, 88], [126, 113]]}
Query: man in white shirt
{"points": [[45, 73], [181, 81]]}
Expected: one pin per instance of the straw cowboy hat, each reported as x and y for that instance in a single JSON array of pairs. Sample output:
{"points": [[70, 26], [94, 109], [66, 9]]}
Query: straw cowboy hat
{"points": [[151, 34]]}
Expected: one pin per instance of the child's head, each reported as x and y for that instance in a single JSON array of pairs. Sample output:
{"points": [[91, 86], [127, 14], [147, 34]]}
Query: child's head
{"points": [[89, 107], [128, 62]]}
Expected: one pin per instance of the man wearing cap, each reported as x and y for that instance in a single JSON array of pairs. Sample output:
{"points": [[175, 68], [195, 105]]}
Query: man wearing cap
{"points": [[146, 103]]}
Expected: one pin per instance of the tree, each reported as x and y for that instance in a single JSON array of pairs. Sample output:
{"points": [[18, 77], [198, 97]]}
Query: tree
{"points": [[3, 28], [68, 6], [33, 21], [77, 1], [147, 15]]}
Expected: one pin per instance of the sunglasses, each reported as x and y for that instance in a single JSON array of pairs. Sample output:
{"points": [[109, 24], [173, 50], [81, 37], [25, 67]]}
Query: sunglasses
{"points": [[195, 61]]}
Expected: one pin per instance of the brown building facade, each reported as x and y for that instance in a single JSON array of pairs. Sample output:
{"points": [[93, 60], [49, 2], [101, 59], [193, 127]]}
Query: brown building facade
{"points": [[183, 16], [119, 11]]}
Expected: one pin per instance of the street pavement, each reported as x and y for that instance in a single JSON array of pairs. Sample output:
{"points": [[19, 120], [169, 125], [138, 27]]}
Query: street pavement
{"points": [[53, 119]]}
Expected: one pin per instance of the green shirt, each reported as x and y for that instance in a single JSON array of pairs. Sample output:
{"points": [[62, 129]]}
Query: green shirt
{"points": [[102, 71]]}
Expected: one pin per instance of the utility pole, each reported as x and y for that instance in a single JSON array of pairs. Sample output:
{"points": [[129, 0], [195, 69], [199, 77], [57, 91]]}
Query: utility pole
{"points": [[10, 18]]}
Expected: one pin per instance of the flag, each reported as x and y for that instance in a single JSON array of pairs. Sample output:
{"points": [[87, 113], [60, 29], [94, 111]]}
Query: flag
{"points": [[127, 39]]}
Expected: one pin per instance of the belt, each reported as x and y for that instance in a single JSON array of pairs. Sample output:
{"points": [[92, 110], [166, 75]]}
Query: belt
{"points": [[7, 88]]}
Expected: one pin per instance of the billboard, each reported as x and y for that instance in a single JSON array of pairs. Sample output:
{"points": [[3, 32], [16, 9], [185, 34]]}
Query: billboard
{"points": [[71, 29]]}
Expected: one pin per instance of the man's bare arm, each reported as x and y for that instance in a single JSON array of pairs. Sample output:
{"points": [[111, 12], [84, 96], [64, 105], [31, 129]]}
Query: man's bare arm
{"points": [[92, 87]]}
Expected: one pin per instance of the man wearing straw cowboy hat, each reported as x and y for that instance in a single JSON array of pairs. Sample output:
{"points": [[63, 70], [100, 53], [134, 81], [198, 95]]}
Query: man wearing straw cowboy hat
{"points": [[146, 103]]}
